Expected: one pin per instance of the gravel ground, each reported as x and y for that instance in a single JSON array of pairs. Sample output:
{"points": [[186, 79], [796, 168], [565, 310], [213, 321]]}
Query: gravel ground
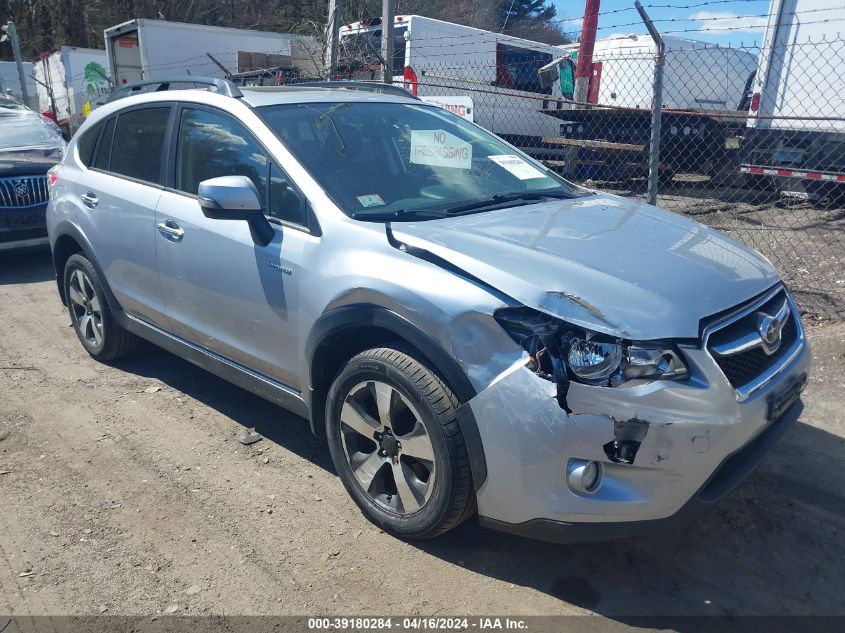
{"points": [[122, 491]]}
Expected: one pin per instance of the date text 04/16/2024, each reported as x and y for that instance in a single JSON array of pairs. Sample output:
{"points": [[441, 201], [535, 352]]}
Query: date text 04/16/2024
{"points": [[417, 623]]}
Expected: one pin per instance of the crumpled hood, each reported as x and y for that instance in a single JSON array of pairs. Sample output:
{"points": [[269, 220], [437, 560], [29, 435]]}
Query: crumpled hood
{"points": [[602, 262]]}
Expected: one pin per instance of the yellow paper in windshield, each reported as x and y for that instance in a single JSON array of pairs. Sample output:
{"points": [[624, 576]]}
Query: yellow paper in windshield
{"points": [[438, 148]]}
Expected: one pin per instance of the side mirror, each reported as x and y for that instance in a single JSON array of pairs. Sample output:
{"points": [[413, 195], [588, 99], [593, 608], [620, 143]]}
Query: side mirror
{"points": [[235, 198], [229, 198]]}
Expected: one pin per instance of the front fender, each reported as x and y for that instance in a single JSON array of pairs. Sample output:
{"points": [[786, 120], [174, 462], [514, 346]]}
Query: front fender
{"points": [[351, 317]]}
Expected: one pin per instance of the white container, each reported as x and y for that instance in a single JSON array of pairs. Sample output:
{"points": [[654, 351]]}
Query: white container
{"points": [[143, 49], [68, 78]]}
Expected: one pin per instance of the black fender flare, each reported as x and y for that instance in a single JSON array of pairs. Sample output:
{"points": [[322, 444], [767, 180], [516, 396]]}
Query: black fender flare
{"points": [[69, 229], [338, 320]]}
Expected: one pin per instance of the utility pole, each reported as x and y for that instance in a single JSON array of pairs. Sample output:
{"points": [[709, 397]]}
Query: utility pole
{"points": [[332, 34], [584, 67], [388, 11], [10, 33]]}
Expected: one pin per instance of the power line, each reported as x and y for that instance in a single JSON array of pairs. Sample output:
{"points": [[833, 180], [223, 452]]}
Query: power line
{"points": [[507, 15]]}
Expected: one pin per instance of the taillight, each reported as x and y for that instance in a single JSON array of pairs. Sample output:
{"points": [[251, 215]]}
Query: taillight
{"points": [[410, 78], [755, 102], [53, 175]]}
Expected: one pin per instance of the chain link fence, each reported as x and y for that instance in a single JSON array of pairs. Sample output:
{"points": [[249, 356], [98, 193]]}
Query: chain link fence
{"points": [[752, 139]]}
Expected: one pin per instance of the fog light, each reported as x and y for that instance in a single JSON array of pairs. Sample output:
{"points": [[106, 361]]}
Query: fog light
{"points": [[583, 477]]}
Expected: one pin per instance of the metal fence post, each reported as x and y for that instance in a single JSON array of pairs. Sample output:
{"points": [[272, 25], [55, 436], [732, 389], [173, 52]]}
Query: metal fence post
{"points": [[656, 105]]}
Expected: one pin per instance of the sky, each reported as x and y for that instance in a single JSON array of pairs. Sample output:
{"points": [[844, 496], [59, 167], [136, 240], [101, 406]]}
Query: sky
{"points": [[716, 21]]}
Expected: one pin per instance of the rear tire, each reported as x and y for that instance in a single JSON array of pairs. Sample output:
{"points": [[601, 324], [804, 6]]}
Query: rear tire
{"points": [[90, 314], [396, 444]]}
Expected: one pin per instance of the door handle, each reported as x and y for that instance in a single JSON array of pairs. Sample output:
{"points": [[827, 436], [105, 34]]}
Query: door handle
{"points": [[90, 199], [171, 230]]}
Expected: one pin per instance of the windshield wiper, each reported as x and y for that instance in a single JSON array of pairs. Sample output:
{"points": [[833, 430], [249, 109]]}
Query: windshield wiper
{"points": [[427, 214], [397, 215], [507, 198]]}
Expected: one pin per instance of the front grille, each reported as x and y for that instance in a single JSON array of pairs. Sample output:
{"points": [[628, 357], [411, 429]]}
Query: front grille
{"points": [[750, 361], [23, 191], [740, 369]]}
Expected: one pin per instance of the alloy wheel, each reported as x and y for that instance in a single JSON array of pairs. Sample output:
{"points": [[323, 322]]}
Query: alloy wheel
{"points": [[85, 307], [387, 447]]}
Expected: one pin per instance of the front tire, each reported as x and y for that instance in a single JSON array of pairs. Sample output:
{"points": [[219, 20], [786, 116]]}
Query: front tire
{"points": [[90, 314], [396, 444]]}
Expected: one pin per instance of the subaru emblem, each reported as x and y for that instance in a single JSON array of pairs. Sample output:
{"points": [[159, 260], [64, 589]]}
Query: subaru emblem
{"points": [[21, 190], [770, 328]]}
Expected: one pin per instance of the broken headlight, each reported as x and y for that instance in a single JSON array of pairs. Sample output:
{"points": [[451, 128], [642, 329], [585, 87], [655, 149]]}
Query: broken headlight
{"points": [[559, 350], [593, 362]]}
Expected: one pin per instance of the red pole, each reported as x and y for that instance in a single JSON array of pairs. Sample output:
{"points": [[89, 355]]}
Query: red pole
{"points": [[584, 67]]}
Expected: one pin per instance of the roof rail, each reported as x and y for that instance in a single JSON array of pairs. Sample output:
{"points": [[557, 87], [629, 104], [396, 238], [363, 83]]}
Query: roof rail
{"points": [[222, 86], [365, 86]]}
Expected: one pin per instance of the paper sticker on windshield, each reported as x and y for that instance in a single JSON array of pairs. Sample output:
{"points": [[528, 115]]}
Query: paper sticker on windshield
{"points": [[371, 200], [518, 167], [438, 148]]}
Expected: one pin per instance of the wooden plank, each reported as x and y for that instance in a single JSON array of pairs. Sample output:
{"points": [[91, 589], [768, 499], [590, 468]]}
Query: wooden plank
{"points": [[578, 142]]}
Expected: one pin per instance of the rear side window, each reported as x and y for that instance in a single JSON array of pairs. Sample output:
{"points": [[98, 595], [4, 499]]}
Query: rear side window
{"points": [[101, 160], [87, 143], [138, 140]]}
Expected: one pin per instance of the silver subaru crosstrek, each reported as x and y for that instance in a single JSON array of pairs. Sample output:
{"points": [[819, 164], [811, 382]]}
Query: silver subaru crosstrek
{"points": [[470, 332]]}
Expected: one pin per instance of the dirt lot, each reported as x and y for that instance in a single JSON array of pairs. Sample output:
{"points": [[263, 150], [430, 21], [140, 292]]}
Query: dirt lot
{"points": [[123, 491]]}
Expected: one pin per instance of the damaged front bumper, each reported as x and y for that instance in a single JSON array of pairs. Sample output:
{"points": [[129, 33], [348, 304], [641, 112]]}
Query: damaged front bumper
{"points": [[666, 451]]}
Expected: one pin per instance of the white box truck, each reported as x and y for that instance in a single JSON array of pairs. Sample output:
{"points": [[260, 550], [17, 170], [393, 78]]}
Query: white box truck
{"points": [[68, 78], [705, 92], [10, 83], [487, 77], [141, 50], [796, 130]]}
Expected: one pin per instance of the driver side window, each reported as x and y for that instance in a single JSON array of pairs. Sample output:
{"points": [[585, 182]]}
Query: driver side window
{"points": [[210, 145]]}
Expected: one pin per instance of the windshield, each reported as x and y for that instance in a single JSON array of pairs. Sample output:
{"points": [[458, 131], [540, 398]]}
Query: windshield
{"points": [[19, 131], [378, 158]]}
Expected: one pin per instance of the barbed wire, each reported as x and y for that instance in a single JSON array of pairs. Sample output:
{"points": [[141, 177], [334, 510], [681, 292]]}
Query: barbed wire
{"points": [[230, 56], [497, 37], [504, 38], [696, 45], [552, 100]]}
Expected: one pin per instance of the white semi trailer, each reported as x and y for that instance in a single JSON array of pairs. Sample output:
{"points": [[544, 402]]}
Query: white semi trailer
{"points": [[705, 92], [796, 129], [486, 77], [147, 50], [67, 79]]}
